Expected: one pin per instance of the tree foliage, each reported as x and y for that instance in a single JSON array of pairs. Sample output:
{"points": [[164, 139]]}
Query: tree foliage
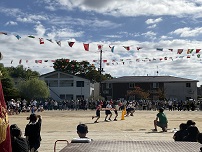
{"points": [[139, 93], [33, 89], [8, 84], [21, 72], [83, 69]]}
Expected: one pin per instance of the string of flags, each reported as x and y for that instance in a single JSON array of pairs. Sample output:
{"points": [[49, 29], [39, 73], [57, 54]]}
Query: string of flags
{"points": [[112, 48]]}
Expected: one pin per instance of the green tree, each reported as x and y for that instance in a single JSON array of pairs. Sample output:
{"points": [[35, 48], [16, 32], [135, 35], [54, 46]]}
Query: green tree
{"points": [[83, 69], [8, 84], [21, 72], [33, 89], [139, 92]]}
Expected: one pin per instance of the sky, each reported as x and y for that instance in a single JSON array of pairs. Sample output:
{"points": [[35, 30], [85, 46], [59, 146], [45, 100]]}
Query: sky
{"points": [[168, 33]]}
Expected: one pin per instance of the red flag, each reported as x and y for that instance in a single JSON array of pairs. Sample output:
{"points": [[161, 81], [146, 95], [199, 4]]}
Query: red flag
{"points": [[39, 61], [179, 51], [198, 50], [71, 43], [86, 47], [127, 48], [99, 47], [5, 139], [104, 61], [27, 61], [41, 41]]}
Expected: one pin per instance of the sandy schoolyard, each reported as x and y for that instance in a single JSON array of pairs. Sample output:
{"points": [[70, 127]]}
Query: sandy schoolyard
{"points": [[62, 125]]}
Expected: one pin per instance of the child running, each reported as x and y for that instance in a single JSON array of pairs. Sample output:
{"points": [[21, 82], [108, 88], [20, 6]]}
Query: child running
{"points": [[99, 107]]}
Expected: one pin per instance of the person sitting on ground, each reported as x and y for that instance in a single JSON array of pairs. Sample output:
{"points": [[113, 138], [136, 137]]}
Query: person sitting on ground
{"points": [[192, 134], [161, 121], [18, 143], [179, 135]]}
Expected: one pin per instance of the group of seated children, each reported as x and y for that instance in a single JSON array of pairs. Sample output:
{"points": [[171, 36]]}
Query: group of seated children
{"points": [[187, 132]]}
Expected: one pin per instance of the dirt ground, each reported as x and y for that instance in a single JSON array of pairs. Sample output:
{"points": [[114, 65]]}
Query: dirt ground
{"points": [[60, 125]]}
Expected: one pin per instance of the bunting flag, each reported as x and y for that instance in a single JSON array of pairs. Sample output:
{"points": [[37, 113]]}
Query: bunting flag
{"points": [[138, 48], [31, 36], [171, 50], [127, 48], [71, 43], [26, 61], [41, 41], [45, 60], [104, 61], [198, 55], [4, 33], [11, 61], [188, 56], [1, 56], [59, 43], [112, 49], [159, 49], [198, 50], [50, 40], [36, 61], [86, 46], [5, 138], [99, 46], [189, 51], [179, 51], [18, 37], [20, 61], [39, 61]]}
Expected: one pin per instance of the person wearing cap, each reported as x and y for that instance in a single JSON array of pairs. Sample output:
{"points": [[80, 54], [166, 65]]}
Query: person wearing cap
{"points": [[161, 121], [32, 132]]}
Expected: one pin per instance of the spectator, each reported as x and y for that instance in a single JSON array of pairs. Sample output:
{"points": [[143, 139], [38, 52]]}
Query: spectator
{"points": [[32, 132], [179, 135], [199, 139], [18, 143], [161, 121], [192, 134]]}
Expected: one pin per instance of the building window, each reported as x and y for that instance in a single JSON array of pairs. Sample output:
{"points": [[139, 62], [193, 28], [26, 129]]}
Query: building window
{"points": [[79, 83], [188, 85], [53, 83], [66, 83], [105, 91], [62, 96], [155, 85], [108, 85], [131, 85]]}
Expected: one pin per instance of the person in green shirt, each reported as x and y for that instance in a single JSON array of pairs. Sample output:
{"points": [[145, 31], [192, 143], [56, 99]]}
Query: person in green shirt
{"points": [[161, 121]]}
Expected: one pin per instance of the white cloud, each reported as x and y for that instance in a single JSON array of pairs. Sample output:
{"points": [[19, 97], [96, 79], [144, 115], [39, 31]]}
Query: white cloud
{"points": [[188, 32], [11, 23], [40, 30], [153, 21], [152, 26]]}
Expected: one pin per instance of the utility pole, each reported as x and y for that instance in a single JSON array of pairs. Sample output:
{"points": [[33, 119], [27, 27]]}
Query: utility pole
{"points": [[100, 70]]}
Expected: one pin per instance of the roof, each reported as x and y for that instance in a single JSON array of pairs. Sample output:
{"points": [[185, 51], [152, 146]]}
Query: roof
{"points": [[49, 73], [147, 79]]}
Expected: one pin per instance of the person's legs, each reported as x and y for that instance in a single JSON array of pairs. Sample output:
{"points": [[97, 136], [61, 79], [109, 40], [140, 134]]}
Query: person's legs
{"points": [[155, 125]]}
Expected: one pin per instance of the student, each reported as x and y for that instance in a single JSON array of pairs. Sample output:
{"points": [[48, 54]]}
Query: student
{"points": [[99, 107], [32, 132], [179, 135], [18, 143], [108, 111], [161, 121], [192, 134], [199, 139]]}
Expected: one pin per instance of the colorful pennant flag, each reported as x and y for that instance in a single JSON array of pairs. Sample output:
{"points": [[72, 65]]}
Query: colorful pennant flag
{"points": [[31, 36], [171, 50], [50, 40], [104, 61], [189, 51], [59, 43], [198, 55], [41, 41], [127, 48], [18, 37], [20, 61], [71, 43], [179, 51], [4, 33], [159, 49], [112, 49], [11, 61], [138, 48], [198, 50], [86, 46], [99, 46]]}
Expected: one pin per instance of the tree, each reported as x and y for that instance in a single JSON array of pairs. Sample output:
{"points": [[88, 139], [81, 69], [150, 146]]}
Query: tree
{"points": [[33, 89], [139, 93], [83, 69], [8, 84], [21, 72]]}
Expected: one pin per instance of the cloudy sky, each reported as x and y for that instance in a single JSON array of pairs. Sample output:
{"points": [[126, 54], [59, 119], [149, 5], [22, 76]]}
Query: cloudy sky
{"points": [[161, 28]]}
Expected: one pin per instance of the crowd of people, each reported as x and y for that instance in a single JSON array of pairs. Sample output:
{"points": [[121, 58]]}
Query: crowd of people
{"points": [[17, 106]]}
